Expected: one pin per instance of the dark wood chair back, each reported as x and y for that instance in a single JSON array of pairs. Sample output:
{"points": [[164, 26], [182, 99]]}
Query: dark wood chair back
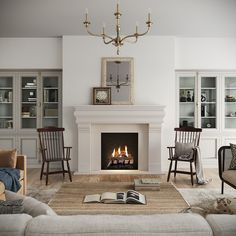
{"points": [[52, 143], [188, 135]]}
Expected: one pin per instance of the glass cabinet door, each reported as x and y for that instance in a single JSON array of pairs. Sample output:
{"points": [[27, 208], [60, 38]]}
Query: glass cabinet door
{"points": [[186, 101], [29, 102], [50, 101], [6, 102], [208, 102], [230, 102]]}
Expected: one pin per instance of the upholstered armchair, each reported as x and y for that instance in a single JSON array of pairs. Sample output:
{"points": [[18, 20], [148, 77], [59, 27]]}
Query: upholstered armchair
{"points": [[224, 159]]}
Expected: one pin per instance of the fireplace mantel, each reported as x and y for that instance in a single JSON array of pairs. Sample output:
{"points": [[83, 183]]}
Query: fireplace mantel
{"points": [[89, 117]]}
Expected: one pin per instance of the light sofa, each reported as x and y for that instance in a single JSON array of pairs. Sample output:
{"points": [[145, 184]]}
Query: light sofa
{"points": [[39, 219]]}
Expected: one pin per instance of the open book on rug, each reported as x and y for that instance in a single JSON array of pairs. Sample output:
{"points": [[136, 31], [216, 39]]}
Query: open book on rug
{"points": [[130, 196]]}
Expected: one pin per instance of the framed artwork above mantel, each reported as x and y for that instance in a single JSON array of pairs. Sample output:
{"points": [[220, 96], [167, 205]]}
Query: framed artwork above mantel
{"points": [[118, 74]]}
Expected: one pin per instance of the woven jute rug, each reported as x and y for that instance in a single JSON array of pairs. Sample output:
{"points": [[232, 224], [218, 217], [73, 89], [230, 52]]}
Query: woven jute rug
{"points": [[69, 200]]}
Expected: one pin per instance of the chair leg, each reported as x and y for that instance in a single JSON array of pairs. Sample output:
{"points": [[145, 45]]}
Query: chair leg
{"points": [[47, 173], [170, 167], [191, 170], [175, 168], [63, 169], [222, 187], [42, 169], [69, 172]]}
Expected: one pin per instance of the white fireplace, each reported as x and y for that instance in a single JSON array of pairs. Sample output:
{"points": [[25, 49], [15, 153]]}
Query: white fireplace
{"points": [[93, 120]]}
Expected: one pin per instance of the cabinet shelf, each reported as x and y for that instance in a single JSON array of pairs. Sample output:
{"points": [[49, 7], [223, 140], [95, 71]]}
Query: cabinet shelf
{"points": [[5, 88], [5, 102], [186, 117], [186, 103], [6, 117], [50, 117], [208, 103], [48, 88], [208, 88], [28, 117], [29, 88], [208, 117], [29, 102]]}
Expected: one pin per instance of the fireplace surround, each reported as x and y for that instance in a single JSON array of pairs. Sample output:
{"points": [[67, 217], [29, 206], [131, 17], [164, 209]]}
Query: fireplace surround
{"points": [[92, 121]]}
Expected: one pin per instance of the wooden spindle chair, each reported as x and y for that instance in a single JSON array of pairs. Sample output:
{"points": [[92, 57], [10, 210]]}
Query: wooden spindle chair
{"points": [[185, 135], [53, 150]]}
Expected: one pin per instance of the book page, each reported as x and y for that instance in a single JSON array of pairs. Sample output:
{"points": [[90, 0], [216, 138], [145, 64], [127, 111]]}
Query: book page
{"points": [[135, 197], [92, 198], [109, 197]]}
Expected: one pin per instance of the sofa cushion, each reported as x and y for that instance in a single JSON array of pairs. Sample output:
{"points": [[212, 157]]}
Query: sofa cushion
{"points": [[230, 176], [8, 158], [222, 224], [32, 206], [184, 151], [116, 225], [11, 206], [13, 225], [232, 165]]}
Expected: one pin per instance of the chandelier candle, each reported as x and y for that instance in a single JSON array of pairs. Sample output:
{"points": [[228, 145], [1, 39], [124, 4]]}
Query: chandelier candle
{"points": [[117, 41]]}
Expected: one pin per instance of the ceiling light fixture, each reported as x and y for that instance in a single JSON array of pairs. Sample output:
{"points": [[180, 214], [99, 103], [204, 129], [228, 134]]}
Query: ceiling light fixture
{"points": [[118, 40]]}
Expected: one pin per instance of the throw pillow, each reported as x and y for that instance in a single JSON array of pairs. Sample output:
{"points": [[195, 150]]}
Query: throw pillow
{"points": [[184, 150], [11, 207], [232, 165], [8, 158]]}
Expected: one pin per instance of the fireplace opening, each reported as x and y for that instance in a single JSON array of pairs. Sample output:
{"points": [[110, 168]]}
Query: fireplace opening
{"points": [[119, 151]]}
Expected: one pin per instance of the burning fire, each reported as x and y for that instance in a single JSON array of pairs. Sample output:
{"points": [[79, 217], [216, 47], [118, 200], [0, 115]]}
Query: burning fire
{"points": [[118, 152]]}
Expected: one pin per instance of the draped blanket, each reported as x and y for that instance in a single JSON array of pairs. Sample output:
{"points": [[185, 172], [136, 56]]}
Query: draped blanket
{"points": [[201, 179], [10, 177]]}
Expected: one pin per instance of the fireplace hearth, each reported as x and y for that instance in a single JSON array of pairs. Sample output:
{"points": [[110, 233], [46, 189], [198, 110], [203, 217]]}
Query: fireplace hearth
{"points": [[119, 151]]}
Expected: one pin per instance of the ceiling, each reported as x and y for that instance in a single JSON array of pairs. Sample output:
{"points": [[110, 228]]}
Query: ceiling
{"points": [[54, 18]]}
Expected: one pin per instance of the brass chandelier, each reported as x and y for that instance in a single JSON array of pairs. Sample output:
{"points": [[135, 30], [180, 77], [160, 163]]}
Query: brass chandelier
{"points": [[118, 40]]}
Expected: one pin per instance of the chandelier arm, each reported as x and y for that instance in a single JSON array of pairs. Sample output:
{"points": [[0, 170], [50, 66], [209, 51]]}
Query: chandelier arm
{"points": [[135, 35], [98, 35], [107, 36], [107, 42]]}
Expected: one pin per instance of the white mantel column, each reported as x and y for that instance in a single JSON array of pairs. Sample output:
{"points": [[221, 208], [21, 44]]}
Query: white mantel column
{"points": [[84, 148]]}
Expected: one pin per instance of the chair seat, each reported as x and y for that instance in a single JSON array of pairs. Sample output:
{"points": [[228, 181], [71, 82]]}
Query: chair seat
{"points": [[230, 176], [184, 157]]}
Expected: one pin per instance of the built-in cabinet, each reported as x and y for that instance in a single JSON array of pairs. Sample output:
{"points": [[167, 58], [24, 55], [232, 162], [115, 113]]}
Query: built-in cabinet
{"points": [[207, 100], [28, 100]]}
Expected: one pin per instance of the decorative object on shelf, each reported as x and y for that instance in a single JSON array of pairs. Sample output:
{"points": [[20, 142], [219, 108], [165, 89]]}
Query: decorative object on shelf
{"points": [[118, 41], [203, 97], [203, 111], [189, 99], [101, 96], [208, 125], [185, 123], [230, 98], [117, 73]]}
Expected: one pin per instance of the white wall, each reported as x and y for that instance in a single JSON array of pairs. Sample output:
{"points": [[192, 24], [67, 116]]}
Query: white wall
{"points": [[155, 59], [30, 53], [205, 53], [154, 81]]}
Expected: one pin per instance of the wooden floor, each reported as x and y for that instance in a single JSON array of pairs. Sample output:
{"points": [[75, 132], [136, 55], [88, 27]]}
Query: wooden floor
{"points": [[181, 181]]}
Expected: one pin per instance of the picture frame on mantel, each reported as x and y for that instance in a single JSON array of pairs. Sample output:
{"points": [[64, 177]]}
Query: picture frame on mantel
{"points": [[118, 74], [101, 96]]}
